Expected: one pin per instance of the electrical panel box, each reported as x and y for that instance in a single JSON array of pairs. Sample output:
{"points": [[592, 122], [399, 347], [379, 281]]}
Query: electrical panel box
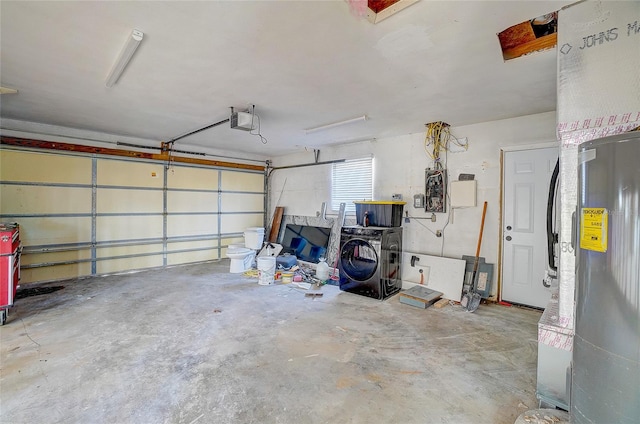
{"points": [[435, 190]]}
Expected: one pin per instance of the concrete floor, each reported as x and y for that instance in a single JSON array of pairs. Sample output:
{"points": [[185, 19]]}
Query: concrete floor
{"points": [[196, 344]]}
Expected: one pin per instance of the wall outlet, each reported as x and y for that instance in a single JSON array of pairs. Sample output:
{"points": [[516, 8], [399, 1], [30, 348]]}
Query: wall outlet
{"points": [[396, 196]]}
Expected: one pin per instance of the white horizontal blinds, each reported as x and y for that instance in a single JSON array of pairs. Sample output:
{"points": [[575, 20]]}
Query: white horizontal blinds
{"points": [[351, 180]]}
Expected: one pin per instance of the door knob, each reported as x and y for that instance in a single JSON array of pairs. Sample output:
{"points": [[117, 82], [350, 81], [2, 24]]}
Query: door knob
{"points": [[508, 227], [508, 238]]}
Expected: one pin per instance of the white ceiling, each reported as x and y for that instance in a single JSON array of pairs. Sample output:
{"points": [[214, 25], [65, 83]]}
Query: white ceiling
{"points": [[301, 63]]}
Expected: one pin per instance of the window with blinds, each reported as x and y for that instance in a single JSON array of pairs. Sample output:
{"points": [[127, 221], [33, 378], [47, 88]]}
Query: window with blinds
{"points": [[351, 180]]}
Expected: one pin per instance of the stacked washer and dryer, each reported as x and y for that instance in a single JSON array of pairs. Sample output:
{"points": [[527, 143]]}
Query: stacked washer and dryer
{"points": [[370, 255]]}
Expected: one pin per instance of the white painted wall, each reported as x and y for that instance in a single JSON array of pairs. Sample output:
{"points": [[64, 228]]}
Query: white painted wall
{"points": [[399, 167]]}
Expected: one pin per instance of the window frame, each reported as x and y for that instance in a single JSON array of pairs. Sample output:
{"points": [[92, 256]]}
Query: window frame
{"points": [[351, 185]]}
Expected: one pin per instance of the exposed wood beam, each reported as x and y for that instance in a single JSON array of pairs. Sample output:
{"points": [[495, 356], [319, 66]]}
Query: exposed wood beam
{"points": [[163, 156]]}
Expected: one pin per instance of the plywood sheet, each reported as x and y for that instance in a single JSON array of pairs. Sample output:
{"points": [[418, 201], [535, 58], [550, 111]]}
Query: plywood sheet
{"points": [[128, 227], [242, 181], [119, 265], [191, 225], [237, 202], [38, 231], [42, 167], [239, 223], [185, 201], [192, 178], [123, 201], [19, 199], [129, 173], [445, 275]]}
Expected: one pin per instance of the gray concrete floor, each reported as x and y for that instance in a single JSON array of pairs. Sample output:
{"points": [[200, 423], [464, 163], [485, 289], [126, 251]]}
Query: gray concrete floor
{"points": [[194, 344]]}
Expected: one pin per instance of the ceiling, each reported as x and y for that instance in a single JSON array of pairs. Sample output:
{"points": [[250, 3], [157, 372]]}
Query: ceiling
{"points": [[301, 63]]}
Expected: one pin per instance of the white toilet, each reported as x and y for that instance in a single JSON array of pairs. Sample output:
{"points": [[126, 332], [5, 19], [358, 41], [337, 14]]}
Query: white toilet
{"points": [[253, 238], [243, 257]]}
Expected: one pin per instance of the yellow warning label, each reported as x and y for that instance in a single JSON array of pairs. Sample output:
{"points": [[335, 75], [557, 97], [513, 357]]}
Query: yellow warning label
{"points": [[593, 229]]}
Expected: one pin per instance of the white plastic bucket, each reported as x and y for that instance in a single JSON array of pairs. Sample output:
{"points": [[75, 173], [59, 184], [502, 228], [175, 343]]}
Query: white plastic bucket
{"points": [[266, 270], [253, 238]]}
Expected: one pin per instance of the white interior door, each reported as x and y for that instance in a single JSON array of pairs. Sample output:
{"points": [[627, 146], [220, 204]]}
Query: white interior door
{"points": [[527, 174]]}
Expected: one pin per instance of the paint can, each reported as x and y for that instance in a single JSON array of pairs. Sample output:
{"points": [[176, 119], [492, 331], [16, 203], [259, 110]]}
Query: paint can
{"points": [[266, 270], [287, 277]]}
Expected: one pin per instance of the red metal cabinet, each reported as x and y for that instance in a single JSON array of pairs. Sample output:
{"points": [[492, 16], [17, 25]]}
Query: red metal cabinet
{"points": [[10, 250]]}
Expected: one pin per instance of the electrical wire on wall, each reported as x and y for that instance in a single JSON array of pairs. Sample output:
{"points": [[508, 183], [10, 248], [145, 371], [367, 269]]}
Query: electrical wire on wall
{"points": [[449, 214], [438, 142], [438, 139], [438, 233], [254, 116]]}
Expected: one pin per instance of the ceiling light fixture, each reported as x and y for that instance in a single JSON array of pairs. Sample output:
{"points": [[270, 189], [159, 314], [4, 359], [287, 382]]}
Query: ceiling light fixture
{"points": [[336, 124], [125, 56]]}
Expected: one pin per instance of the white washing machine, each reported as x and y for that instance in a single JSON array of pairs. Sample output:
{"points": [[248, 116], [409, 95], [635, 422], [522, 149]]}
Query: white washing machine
{"points": [[370, 261]]}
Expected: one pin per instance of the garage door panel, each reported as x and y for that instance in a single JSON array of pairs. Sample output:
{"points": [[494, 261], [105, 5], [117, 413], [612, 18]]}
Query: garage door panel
{"points": [[189, 201], [44, 168], [241, 181], [128, 201], [111, 228], [240, 222], [191, 225], [239, 202], [40, 231], [111, 251], [192, 178], [52, 257], [190, 257], [53, 273], [195, 244], [26, 199], [129, 173], [232, 240], [129, 206], [126, 264]]}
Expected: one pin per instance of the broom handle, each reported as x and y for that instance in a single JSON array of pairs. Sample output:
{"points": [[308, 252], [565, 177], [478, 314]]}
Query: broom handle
{"points": [[475, 264], [484, 213]]}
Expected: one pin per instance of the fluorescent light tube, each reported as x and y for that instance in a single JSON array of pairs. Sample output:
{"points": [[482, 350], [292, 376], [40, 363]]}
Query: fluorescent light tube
{"points": [[125, 56], [7, 90], [336, 124]]}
